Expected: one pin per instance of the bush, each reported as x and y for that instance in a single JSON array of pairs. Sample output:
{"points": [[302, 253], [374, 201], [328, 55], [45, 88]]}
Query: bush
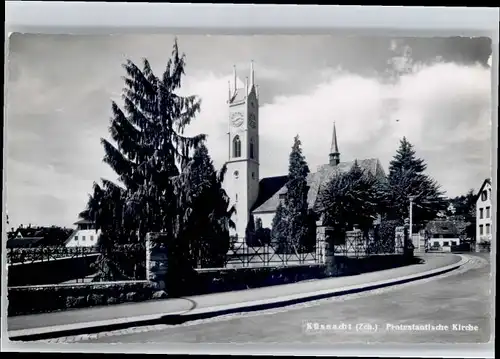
{"points": [[40, 299], [263, 236], [384, 237]]}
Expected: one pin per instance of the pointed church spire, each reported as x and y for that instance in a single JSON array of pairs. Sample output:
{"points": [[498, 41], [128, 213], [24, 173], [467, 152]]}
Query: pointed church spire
{"points": [[252, 75], [235, 80], [334, 150]]}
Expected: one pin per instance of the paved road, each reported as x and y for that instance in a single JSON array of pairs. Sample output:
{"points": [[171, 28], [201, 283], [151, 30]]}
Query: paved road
{"points": [[459, 297], [204, 301]]}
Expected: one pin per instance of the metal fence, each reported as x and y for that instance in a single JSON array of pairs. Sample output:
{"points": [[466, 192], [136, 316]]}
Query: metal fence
{"points": [[44, 254], [242, 254], [58, 265], [352, 244]]}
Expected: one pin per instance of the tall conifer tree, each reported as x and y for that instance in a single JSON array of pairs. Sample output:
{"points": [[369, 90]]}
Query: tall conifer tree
{"points": [[280, 230], [148, 152], [296, 197], [206, 210], [407, 178]]}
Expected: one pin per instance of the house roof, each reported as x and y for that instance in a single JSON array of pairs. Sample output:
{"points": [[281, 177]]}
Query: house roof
{"points": [[269, 202], [485, 182], [24, 242], [28, 231], [70, 236], [83, 221], [442, 227]]}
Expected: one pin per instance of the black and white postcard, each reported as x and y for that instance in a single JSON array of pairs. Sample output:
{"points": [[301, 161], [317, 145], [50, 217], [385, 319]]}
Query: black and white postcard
{"points": [[249, 189]]}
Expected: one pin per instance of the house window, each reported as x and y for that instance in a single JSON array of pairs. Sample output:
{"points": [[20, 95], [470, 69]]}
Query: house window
{"points": [[446, 244], [481, 214], [484, 195], [76, 238], [237, 147], [488, 229], [282, 195], [453, 243], [251, 148], [253, 175], [481, 229], [91, 238], [236, 197], [83, 238], [436, 244], [487, 212]]}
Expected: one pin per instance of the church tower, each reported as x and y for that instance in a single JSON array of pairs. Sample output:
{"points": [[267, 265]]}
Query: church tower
{"points": [[242, 177], [334, 150]]}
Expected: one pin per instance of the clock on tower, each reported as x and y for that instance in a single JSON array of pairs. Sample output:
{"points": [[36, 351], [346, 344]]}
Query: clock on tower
{"points": [[251, 121], [237, 119]]}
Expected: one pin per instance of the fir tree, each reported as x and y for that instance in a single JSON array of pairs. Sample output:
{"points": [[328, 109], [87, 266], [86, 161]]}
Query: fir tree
{"points": [[250, 232], [406, 159], [296, 198], [150, 151], [206, 217], [259, 232], [280, 230], [105, 208], [407, 179]]}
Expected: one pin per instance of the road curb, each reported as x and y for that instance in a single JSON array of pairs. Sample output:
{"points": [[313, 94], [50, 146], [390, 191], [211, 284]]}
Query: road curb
{"points": [[206, 313]]}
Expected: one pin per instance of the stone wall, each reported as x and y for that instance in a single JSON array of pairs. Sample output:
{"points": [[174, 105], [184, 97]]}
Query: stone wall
{"points": [[156, 260]]}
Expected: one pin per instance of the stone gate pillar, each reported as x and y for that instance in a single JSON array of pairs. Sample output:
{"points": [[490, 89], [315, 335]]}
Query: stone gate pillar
{"points": [[320, 242], [156, 259], [326, 250], [399, 239]]}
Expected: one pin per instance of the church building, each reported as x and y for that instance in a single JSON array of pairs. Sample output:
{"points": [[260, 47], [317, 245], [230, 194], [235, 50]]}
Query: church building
{"points": [[248, 192]]}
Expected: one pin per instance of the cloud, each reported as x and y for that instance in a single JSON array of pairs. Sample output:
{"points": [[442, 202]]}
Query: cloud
{"points": [[59, 107], [444, 110]]}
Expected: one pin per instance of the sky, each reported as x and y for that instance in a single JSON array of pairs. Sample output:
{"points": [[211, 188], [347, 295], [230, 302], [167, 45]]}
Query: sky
{"points": [[434, 91]]}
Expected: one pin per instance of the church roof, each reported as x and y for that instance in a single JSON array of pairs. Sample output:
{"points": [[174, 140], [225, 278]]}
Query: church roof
{"points": [[267, 188], [335, 147], [268, 202]]}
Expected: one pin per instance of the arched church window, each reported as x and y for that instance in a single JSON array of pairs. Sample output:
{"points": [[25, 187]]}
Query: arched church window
{"points": [[251, 148], [237, 147]]}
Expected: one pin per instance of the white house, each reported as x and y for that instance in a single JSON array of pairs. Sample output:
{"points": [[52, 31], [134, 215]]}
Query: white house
{"points": [[84, 235], [484, 214], [443, 235]]}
